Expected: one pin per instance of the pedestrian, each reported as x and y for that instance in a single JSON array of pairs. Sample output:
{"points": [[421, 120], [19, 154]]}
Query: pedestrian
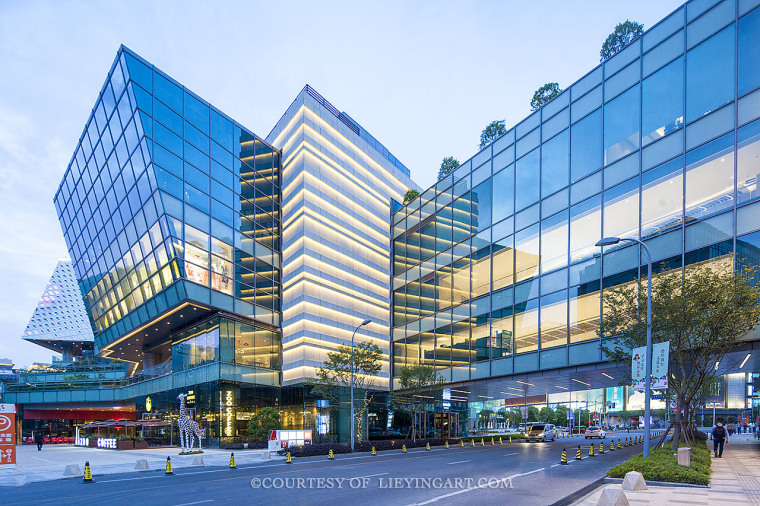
{"points": [[39, 440], [730, 428], [744, 428], [719, 436]]}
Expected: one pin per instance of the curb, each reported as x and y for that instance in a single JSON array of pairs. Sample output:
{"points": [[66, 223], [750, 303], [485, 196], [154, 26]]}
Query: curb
{"points": [[567, 500], [619, 481]]}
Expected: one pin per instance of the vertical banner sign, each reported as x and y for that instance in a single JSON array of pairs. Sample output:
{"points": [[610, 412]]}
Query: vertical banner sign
{"points": [[638, 368], [7, 434], [661, 355]]}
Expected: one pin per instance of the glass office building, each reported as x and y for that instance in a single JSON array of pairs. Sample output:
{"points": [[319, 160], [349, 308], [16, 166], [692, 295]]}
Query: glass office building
{"points": [[496, 273]]}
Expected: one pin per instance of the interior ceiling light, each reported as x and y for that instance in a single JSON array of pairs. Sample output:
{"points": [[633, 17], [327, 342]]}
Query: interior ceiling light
{"points": [[605, 374], [745, 360], [563, 388], [583, 382], [525, 383]]}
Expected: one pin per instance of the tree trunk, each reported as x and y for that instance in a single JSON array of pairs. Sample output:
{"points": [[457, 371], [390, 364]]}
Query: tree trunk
{"points": [[677, 422], [664, 436]]}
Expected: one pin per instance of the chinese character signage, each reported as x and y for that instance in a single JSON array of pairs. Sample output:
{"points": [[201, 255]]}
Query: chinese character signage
{"points": [[7, 434], [638, 368], [660, 356]]}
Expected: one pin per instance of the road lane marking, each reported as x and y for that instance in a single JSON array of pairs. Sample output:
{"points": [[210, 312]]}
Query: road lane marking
{"points": [[369, 475], [196, 502], [458, 462], [452, 494], [510, 454]]}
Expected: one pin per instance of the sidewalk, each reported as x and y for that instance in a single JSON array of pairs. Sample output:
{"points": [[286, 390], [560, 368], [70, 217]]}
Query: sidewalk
{"points": [[49, 464], [735, 479]]}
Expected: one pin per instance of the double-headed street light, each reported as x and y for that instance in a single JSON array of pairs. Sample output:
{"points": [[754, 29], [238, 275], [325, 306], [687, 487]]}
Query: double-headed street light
{"points": [[611, 241], [362, 324]]}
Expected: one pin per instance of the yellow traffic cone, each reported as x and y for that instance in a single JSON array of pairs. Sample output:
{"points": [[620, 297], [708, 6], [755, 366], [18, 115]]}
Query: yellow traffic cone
{"points": [[563, 459], [461, 443], [330, 455], [472, 441], [87, 478], [510, 439], [288, 460], [601, 448], [446, 445], [500, 441], [427, 446], [612, 446], [403, 448], [492, 443], [482, 442], [168, 469], [619, 446], [232, 461], [373, 452], [591, 451], [578, 454]]}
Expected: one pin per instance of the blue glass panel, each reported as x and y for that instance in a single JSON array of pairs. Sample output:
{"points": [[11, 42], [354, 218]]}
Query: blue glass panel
{"points": [[196, 137], [527, 184], [144, 99], [139, 73], [166, 138], [197, 158], [197, 178], [168, 161], [481, 205], [197, 113], [749, 52], [621, 125], [167, 92], [503, 193], [555, 164], [710, 74], [662, 104], [221, 130], [167, 117], [586, 146]]}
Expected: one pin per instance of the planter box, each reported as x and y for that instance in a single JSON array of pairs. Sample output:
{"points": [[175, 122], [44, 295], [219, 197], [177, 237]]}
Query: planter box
{"points": [[126, 444], [93, 443], [141, 445]]}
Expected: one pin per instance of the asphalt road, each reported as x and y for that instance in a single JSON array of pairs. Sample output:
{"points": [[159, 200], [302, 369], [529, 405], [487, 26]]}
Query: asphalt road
{"points": [[520, 473]]}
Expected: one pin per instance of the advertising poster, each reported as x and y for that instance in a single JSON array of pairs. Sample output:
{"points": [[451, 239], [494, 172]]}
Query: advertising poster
{"points": [[7, 434], [660, 357], [638, 368]]}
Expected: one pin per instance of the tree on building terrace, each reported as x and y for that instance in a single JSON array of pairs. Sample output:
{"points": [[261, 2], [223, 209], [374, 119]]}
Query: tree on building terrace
{"points": [[624, 34]]}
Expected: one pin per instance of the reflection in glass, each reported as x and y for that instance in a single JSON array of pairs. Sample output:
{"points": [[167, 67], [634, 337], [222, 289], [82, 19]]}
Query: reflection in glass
{"points": [[748, 162], [584, 315], [554, 320], [503, 263], [527, 184], [526, 253], [621, 210], [621, 126], [710, 74], [554, 243], [585, 228], [526, 326], [749, 52], [662, 102], [555, 164], [662, 198], [710, 178]]}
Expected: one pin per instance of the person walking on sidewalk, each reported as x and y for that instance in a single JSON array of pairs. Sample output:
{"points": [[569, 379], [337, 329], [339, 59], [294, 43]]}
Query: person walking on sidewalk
{"points": [[39, 440], [719, 436]]}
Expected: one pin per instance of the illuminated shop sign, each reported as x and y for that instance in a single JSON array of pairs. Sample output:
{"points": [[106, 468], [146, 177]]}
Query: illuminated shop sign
{"points": [[80, 441], [106, 442], [227, 403], [148, 404]]}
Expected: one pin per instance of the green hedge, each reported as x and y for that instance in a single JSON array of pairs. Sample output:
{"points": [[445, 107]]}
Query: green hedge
{"points": [[661, 465], [487, 439]]}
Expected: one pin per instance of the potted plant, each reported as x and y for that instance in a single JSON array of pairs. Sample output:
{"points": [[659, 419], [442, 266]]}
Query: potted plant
{"points": [[124, 443], [140, 443], [92, 441]]}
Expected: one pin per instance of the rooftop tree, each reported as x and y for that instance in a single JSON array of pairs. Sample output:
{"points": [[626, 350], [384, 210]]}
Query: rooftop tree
{"points": [[544, 95], [448, 165], [490, 133], [624, 34]]}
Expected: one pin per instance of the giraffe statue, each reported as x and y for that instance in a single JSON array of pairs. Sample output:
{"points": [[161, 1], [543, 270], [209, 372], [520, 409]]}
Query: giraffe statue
{"points": [[188, 429]]}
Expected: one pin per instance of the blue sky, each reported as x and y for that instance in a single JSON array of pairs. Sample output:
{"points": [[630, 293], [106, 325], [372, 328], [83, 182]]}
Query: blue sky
{"points": [[423, 77]]}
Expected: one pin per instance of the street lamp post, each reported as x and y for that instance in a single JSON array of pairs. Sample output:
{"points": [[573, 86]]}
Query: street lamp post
{"points": [[362, 324], [610, 241], [595, 404]]}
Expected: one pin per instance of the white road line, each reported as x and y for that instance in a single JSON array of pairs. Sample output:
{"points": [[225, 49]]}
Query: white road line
{"points": [[555, 465], [510, 454], [451, 494], [196, 502], [458, 462], [370, 475]]}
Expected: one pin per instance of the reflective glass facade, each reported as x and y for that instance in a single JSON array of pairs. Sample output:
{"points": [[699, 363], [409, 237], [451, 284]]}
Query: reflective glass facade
{"points": [[495, 268], [168, 203]]}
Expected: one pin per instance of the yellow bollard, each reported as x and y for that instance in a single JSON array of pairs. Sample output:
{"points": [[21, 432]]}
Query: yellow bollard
{"points": [[168, 469], [403, 448], [330, 455], [563, 459], [446, 445], [427, 446], [232, 461], [288, 460], [373, 452], [87, 478], [461, 443], [510, 439]]}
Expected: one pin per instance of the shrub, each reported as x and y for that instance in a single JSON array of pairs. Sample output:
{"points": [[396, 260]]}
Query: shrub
{"points": [[661, 465], [262, 422], [364, 446], [238, 443]]}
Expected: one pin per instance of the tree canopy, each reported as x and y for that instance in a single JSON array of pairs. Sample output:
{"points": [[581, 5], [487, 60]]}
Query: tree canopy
{"points": [[491, 132], [544, 95], [624, 34], [702, 311], [264, 420], [419, 387], [448, 165], [410, 195]]}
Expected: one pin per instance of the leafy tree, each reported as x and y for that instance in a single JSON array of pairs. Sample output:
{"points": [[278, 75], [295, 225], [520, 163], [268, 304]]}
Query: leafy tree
{"points": [[410, 195], [544, 95], [515, 417], [624, 34], [546, 415], [419, 386], [334, 377], [491, 132], [533, 414], [448, 165], [263, 421], [702, 311]]}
